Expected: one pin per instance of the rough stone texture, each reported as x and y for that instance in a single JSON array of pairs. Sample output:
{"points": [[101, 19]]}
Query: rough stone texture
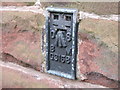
{"points": [[98, 51], [103, 31], [13, 4], [101, 8], [21, 36], [18, 3], [15, 76], [15, 79], [97, 78], [0, 77]]}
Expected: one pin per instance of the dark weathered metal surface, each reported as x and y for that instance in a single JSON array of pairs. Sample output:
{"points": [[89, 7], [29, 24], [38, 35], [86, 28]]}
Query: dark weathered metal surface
{"points": [[61, 42]]}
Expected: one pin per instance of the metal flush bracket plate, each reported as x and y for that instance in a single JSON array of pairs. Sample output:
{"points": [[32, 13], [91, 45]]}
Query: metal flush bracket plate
{"points": [[61, 42]]}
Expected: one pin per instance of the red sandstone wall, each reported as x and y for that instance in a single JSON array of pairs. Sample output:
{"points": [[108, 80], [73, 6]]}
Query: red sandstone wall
{"points": [[97, 60]]}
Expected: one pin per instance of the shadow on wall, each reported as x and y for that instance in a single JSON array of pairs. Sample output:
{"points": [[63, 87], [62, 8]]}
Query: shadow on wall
{"points": [[98, 78], [6, 57], [92, 77]]}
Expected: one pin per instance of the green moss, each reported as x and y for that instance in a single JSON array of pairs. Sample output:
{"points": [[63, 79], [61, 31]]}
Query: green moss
{"points": [[30, 3], [103, 44]]}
